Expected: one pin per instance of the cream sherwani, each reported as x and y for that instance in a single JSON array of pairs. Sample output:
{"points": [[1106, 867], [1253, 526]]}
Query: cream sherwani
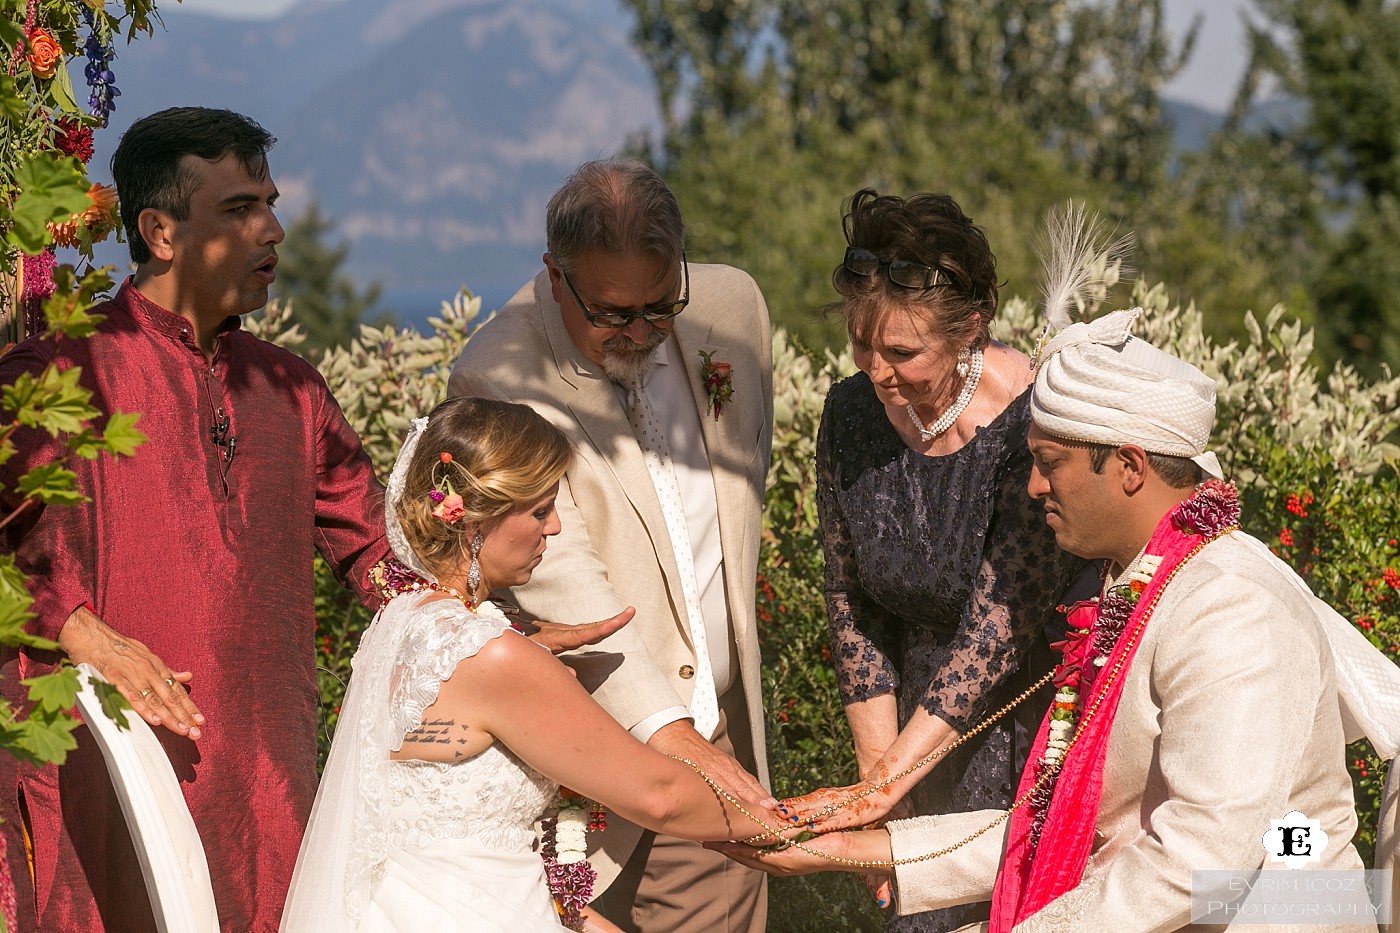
{"points": [[1229, 719], [614, 549]]}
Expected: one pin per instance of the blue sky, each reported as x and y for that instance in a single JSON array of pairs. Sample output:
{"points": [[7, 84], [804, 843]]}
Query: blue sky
{"points": [[1208, 80]]}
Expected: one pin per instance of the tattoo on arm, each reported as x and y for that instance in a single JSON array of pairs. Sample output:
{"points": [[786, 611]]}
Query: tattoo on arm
{"points": [[435, 732]]}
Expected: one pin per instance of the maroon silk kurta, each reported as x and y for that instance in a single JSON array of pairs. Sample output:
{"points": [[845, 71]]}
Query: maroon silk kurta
{"points": [[208, 561]]}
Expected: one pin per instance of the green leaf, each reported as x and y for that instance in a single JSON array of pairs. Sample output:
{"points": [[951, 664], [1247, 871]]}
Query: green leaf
{"points": [[41, 741], [12, 107], [68, 314], [10, 33], [54, 401], [86, 444], [51, 484], [7, 450], [61, 89], [50, 190], [55, 691], [112, 701], [14, 607], [121, 437]]}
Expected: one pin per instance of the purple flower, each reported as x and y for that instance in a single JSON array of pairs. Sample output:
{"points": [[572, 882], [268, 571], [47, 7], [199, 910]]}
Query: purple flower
{"points": [[1213, 509], [99, 75], [1114, 612], [572, 887]]}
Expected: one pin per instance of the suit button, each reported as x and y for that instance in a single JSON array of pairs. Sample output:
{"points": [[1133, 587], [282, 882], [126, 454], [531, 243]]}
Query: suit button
{"points": [[686, 672]]}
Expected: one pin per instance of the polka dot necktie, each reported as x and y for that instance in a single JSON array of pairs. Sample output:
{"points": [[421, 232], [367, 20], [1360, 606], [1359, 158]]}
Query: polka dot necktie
{"points": [[704, 705]]}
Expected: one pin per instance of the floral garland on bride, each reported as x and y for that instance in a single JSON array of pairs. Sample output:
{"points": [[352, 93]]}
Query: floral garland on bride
{"points": [[565, 853]]}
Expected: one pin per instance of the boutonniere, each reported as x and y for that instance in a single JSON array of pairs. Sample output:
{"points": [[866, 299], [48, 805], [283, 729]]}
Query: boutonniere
{"points": [[719, 382]]}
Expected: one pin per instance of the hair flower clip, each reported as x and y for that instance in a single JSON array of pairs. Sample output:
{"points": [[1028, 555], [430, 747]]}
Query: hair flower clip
{"points": [[449, 503], [450, 508]]}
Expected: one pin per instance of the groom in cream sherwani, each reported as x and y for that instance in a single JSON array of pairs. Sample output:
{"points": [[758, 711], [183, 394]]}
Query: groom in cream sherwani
{"points": [[1232, 697], [660, 373]]}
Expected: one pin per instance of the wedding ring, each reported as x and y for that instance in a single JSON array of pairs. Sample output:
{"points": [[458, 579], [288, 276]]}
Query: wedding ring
{"points": [[145, 693], [170, 681]]}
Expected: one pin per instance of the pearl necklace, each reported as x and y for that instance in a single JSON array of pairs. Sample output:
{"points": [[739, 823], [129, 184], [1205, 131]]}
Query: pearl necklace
{"points": [[970, 380]]}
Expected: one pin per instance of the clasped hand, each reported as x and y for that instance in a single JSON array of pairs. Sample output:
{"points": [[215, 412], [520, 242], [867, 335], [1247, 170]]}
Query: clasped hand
{"points": [[828, 809]]}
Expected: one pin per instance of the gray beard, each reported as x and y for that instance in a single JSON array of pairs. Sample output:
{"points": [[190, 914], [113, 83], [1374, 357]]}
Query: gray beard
{"points": [[627, 363]]}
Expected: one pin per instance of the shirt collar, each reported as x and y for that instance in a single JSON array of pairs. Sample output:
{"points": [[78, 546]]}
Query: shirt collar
{"points": [[153, 317]]}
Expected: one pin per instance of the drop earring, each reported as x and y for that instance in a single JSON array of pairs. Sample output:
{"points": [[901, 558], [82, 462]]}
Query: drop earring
{"points": [[474, 571]]}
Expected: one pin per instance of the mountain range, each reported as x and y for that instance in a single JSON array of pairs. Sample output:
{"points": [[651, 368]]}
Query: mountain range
{"points": [[431, 131]]}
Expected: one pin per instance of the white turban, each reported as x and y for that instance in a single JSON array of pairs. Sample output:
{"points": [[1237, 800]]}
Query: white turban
{"points": [[1099, 384]]}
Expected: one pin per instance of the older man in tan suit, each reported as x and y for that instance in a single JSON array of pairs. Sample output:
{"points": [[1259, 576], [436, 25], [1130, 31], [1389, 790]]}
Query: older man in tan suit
{"points": [[1201, 707], [660, 372]]}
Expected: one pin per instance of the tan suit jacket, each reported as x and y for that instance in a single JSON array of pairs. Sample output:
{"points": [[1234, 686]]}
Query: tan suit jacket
{"points": [[614, 549], [1229, 719]]}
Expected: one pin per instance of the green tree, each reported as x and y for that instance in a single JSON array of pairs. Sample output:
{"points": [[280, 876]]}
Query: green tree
{"points": [[1341, 58], [325, 301], [777, 110]]}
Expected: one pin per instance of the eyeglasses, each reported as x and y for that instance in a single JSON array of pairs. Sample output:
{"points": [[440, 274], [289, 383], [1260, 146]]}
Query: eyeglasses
{"points": [[652, 315], [900, 272]]}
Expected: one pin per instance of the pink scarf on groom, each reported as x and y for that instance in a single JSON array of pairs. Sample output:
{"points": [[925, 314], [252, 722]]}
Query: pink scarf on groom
{"points": [[1033, 875]]}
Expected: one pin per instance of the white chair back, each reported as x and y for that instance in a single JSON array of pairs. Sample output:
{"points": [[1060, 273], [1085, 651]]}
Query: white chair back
{"points": [[162, 830]]}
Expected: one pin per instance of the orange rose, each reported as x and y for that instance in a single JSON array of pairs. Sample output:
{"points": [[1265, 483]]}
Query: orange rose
{"points": [[44, 53]]}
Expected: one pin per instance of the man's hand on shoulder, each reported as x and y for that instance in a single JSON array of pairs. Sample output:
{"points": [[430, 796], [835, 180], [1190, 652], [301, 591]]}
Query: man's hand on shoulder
{"points": [[559, 637], [680, 740], [149, 685]]}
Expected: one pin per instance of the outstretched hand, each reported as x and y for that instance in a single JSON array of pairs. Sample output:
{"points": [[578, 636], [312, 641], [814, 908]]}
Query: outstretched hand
{"points": [[155, 692], [559, 637]]}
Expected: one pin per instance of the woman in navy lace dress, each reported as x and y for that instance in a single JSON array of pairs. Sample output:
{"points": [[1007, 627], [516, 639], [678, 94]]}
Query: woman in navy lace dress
{"points": [[941, 574]]}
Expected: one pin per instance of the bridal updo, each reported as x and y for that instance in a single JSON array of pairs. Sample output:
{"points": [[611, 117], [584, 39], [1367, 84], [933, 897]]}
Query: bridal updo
{"points": [[502, 454]]}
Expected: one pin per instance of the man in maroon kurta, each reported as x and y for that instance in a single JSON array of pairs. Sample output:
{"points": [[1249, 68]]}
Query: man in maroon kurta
{"points": [[188, 578]]}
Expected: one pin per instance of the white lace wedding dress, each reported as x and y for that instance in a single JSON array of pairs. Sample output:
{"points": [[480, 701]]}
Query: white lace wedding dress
{"points": [[415, 845]]}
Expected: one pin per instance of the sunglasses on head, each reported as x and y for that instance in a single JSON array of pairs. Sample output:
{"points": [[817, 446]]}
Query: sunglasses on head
{"points": [[900, 272], [652, 315]]}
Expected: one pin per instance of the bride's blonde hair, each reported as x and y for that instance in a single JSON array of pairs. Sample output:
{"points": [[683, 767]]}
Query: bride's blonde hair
{"points": [[502, 454]]}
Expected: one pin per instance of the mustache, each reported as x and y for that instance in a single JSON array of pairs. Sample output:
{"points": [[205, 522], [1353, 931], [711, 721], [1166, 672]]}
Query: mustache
{"points": [[624, 346]]}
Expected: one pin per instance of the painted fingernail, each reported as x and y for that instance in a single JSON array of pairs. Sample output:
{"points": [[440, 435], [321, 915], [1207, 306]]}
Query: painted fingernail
{"points": [[195, 733]]}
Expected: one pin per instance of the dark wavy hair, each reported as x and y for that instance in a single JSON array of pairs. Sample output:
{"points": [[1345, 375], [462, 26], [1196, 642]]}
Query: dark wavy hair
{"points": [[932, 230], [147, 170]]}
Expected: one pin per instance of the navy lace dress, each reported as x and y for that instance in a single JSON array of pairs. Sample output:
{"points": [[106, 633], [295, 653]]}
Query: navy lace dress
{"points": [[941, 585]]}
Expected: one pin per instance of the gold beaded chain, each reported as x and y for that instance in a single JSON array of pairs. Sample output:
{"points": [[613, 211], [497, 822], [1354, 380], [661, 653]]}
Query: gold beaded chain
{"points": [[936, 754], [1041, 780]]}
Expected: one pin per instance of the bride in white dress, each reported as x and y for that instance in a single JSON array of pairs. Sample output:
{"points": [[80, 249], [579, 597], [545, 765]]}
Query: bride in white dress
{"points": [[456, 730]]}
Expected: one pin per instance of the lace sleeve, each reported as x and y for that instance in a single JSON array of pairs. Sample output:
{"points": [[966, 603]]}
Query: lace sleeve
{"points": [[860, 631], [411, 647], [438, 635], [1022, 577]]}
